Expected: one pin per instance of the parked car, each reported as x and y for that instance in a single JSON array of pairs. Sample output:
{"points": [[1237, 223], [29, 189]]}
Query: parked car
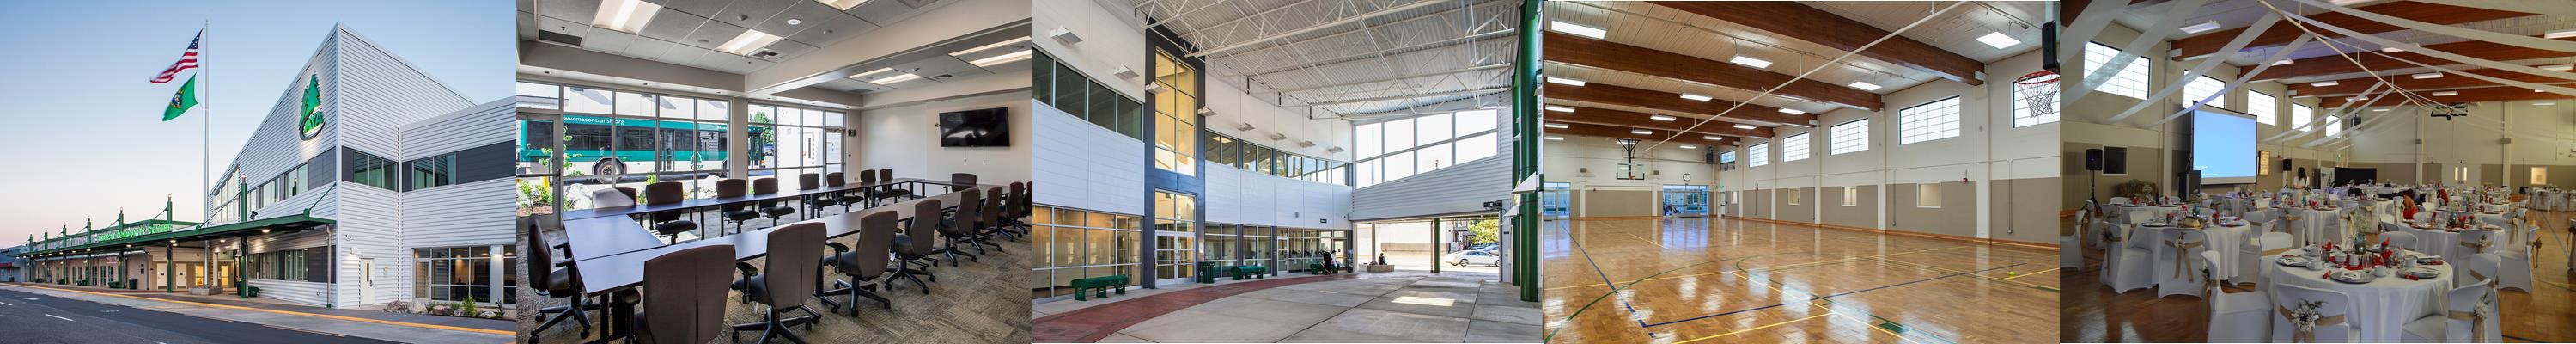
{"points": [[1479, 257], [1486, 246]]}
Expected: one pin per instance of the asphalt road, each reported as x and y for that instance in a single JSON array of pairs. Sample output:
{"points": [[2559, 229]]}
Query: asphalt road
{"points": [[35, 318]]}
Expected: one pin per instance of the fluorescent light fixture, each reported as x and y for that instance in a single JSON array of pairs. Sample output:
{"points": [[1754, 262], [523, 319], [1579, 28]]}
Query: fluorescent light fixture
{"points": [[2561, 68], [2360, 98], [1663, 118], [2281, 62], [1864, 86], [2544, 103], [2346, 2], [1014, 42], [1695, 97], [1792, 111], [1689, 147], [1998, 40], [1641, 132], [1559, 108], [2391, 50], [1711, 137], [844, 5], [2427, 76], [2325, 83], [1565, 81], [1749, 61], [1558, 125], [624, 15], [885, 76], [2560, 34], [2446, 93], [1578, 30], [749, 41], [1555, 138], [2201, 27], [2379, 110], [1003, 58], [1745, 126]]}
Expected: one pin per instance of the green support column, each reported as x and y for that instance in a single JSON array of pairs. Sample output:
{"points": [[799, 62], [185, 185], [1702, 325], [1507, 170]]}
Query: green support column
{"points": [[169, 267], [1435, 245], [1525, 154]]}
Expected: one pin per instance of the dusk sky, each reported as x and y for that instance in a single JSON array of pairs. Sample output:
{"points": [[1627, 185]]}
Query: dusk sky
{"points": [[86, 136]]}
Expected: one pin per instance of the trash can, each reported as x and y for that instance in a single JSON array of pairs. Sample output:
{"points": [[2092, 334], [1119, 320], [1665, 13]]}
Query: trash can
{"points": [[1207, 272], [133, 284]]}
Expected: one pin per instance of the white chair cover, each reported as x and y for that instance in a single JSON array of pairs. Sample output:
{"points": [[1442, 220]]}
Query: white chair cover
{"points": [[2335, 306], [2399, 238], [2471, 317], [2177, 273], [2467, 243], [2237, 317], [2126, 266], [2514, 258]]}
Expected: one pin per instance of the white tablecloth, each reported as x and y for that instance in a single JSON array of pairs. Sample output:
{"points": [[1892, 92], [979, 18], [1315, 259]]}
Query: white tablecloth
{"points": [[2222, 239], [2311, 226], [2380, 308]]}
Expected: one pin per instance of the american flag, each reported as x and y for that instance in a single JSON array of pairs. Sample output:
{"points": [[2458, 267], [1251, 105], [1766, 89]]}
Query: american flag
{"points": [[186, 61]]}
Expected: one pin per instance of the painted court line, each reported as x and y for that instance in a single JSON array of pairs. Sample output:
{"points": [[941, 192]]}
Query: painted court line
{"points": [[324, 316], [57, 317], [1828, 296]]}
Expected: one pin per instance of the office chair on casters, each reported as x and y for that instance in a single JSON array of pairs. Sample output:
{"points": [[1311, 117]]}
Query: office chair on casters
{"points": [[668, 223], [736, 213], [959, 229], [863, 266], [789, 280], [912, 248]]}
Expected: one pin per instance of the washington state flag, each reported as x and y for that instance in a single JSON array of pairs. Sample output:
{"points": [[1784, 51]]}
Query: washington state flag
{"points": [[179, 103]]}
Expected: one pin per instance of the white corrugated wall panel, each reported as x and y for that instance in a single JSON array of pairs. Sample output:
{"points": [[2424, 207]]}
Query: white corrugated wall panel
{"points": [[1080, 165]]}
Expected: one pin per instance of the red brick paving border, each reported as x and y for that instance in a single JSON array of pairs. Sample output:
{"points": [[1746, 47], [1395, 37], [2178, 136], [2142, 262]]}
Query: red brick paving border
{"points": [[1089, 325]]}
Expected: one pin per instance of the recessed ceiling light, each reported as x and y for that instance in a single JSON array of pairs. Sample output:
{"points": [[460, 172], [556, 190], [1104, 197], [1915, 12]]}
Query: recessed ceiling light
{"points": [[1745, 126], [2325, 83], [1558, 125], [1749, 61], [794, 21], [2201, 27], [1554, 138], [624, 15], [885, 76], [1689, 147], [1711, 137], [749, 41], [1559, 108], [1663, 118], [1565, 81], [844, 5], [1578, 30], [1695, 97], [1864, 86], [2446, 93], [1641, 132], [1792, 111], [2561, 68], [1998, 40], [2559, 34], [2281, 62], [2427, 75]]}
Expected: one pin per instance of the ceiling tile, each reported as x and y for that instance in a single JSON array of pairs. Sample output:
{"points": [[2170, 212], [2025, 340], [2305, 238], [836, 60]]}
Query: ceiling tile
{"points": [[713, 34], [572, 10], [672, 25], [608, 41], [752, 13]]}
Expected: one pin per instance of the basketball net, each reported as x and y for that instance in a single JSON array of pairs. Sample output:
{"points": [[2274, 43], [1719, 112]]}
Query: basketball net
{"points": [[2038, 90]]}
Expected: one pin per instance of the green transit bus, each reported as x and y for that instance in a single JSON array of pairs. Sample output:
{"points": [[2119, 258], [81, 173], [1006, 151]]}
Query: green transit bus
{"points": [[611, 146]]}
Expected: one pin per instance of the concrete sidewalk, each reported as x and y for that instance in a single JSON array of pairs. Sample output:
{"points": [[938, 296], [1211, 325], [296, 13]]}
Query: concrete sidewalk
{"points": [[1399, 307], [397, 327]]}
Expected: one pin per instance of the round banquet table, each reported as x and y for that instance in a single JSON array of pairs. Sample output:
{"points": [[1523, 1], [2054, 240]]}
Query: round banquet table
{"points": [[2311, 226], [2380, 308], [2223, 239]]}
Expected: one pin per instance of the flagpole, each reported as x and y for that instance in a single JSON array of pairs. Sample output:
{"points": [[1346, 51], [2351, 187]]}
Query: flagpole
{"points": [[205, 136]]}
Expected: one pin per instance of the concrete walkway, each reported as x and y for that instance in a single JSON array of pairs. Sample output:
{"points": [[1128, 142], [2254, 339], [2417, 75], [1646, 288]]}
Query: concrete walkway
{"points": [[1401, 307], [398, 327]]}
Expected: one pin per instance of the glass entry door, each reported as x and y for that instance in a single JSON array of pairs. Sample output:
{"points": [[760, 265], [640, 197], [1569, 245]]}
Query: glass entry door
{"points": [[1556, 200], [1176, 244], [1685, 200]]}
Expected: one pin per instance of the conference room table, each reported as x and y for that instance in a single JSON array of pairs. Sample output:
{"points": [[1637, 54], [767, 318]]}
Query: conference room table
{"points": [[605, 273], [785, 193]]}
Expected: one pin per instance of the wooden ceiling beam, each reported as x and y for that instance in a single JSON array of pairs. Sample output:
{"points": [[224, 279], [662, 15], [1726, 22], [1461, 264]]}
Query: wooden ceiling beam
{"points": [[1621, 132], [2467, 95], [2281, 33], [2356, 85], [1797, 21], [1579, 50], [1640, 120], [2335, 64], [1652, 99]]}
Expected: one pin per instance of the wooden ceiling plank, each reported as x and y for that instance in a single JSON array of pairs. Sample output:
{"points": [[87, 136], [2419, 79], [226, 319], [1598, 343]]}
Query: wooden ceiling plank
{"points": [[1797, 21], [2335, 64], [1652, 99], [2470, 95], [1640, 120], [2448, 80], [2281, 33], [1578, 50], [1618, 132]]}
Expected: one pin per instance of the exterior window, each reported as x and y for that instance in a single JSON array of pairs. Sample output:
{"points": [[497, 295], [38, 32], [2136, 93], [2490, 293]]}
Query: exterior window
{"points": [[463, 273], [1927, 195], [1794, 148], [431, 172], [2334, 126], [1069, 244], [1726, 158], [2300, 115], [1059, 85], [1421, 144], [306, 264], [2130, 81], [1761, 154], [1176, 123], [2540, 176], [1930, 121], [1851, 196], [2261, 106], [370, 170], [1850, 137], [2203, 87]]}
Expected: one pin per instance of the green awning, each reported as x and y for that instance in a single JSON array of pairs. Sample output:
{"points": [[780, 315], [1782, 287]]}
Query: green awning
{"points": [[288, 224]]}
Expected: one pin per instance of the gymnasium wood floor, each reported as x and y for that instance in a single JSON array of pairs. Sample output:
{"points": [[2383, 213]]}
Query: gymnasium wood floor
{"points": [[2093, 314], [1720, 280]]}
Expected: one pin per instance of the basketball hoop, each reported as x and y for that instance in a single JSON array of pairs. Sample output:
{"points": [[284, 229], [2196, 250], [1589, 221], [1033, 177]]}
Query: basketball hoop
{"points": [[2039, 91]]}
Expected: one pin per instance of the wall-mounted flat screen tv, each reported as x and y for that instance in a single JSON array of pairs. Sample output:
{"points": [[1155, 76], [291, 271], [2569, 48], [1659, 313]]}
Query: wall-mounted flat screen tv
{"points": [[975, 128]]}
